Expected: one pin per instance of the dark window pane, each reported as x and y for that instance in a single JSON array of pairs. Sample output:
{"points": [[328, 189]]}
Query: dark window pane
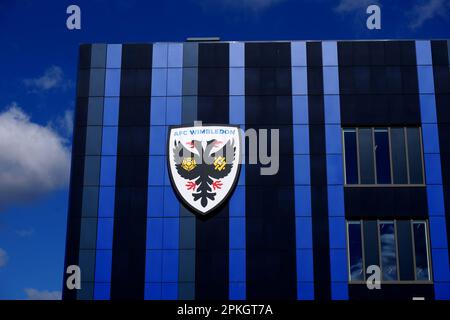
{"points": [[399, 156], [421, 251], [388, 251], [382, 156], [414, 155], [355, 251], [351, 158], [366, 160]]}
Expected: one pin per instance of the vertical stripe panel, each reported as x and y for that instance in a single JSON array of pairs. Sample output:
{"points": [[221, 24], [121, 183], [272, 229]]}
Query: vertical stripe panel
{"points": [[188, 60], [303, 223], [335, 179], [237, 254], [430, 136], [107, 174]]}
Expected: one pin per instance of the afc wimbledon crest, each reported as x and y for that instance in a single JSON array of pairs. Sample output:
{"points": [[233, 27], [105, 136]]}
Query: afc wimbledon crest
{"points": [[204, 164]]}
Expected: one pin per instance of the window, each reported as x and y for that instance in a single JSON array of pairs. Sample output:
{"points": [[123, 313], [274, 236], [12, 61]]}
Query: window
{"points": [[383, 156], [386, 242]]}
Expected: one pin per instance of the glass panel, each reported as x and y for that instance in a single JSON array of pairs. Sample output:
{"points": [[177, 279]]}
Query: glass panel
{"points": [[414, 156], [351, 158], [421, 251], [388, 251], [399, 156], [355, 251], [382, 156], [366, 158]]}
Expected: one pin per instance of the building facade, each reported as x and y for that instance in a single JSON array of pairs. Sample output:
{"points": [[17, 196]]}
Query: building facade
{"points": [[363, 180]]}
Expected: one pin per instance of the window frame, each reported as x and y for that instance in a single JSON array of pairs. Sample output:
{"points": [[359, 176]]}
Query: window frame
{"points": [[392, 184], [402, 282]]}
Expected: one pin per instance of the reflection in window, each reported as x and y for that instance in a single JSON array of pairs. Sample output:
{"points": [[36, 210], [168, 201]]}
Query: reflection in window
{"points": [[414, 155], [366, 156], [399, 156], [351, 156], [355, 252], [388, 251], [383, 161], [421, 251], [383, 156]]}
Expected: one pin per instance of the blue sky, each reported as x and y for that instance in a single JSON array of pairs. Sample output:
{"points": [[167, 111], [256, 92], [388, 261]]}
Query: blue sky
{"points": [[37, 90]]}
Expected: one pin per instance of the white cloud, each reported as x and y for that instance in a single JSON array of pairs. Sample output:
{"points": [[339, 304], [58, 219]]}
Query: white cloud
{"points": [[427, 10], [33, 294], [3, 258], [34, 159], [52, 78], [23, 233], [347, 6]]}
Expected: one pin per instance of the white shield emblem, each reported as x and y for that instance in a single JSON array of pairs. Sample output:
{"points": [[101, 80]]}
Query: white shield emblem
{"points": [[204, 164]]}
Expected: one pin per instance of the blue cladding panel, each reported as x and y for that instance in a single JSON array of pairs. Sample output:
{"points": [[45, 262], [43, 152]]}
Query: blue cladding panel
{"points": [[102, 291], [158, 110], [333, 140], [109, 142], [108, 171], [170, 266], [300, 110], [305, 265], [335, 174], [428, 108], [301, 136], [435, 194], [302, 179], [237, 55], [173, 115], [159, 82], [171, 204], [170, 233], [237, 110], [105, 233], [336, 204], [426, 80], [332, 109], [331, 80], [174, 80], [305, 291], [237, 202], [302, 175], [152, 291], [423, 53], [160, 55], [154, 233], [112, 83], [438, 232], [237, 83], [158, 141], [303, 201], [237, 265], [338, 236], [111, 112], [237, 245], [103, 265], [114, 56], [299, 81], [298, 54], [155, 207], [169, 291], [237, 235], [175, 55], [329, 53], [432, 170], [156, 170], [106, 201], [153, 272], [304, 232]]}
